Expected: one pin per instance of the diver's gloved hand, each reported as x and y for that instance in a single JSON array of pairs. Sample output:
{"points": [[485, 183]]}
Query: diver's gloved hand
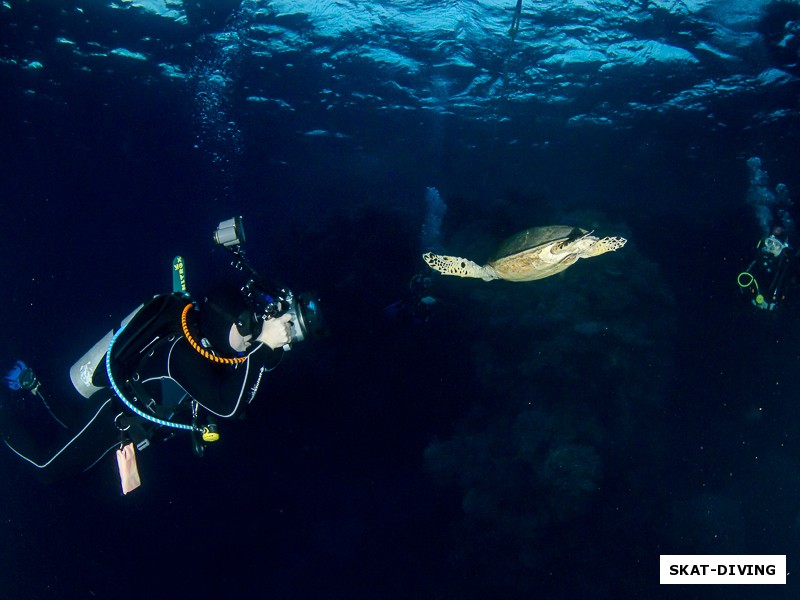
{"points": [[276, 333]]}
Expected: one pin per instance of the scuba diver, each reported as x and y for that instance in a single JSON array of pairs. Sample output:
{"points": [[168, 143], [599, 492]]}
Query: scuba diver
{"points": [[418, 304], [767, 277], [175, 364]]}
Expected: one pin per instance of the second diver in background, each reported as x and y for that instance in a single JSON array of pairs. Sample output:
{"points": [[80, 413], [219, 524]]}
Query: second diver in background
{"points": [[771, 273]]}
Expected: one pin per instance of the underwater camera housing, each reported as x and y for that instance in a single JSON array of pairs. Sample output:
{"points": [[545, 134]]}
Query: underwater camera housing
{"points": [[266, 299]]}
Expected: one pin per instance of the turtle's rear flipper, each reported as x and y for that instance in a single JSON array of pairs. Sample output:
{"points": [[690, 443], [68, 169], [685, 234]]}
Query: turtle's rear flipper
{"points": [[607, 244], [459, 267]]}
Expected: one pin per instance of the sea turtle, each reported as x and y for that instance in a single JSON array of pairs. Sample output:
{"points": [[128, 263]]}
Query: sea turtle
{"points": [[535, 253]]}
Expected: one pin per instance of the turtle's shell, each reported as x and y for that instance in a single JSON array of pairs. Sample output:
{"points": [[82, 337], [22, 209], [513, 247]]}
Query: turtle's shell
{"points": [[519, 258]]}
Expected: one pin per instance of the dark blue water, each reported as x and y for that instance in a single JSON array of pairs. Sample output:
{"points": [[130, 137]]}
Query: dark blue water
{"points": [[547, 439]]}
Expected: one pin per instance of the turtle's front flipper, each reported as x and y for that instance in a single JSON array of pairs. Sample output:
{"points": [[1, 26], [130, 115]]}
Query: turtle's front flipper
{"points": [[607, 244], [460, 267]]}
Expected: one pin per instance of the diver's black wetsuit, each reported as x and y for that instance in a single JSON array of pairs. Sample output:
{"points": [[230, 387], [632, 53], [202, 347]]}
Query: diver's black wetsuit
{"points": [[156, 368]]}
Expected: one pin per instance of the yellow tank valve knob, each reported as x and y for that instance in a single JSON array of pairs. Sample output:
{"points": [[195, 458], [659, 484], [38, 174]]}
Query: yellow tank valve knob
{"points": [[759, 299]]}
